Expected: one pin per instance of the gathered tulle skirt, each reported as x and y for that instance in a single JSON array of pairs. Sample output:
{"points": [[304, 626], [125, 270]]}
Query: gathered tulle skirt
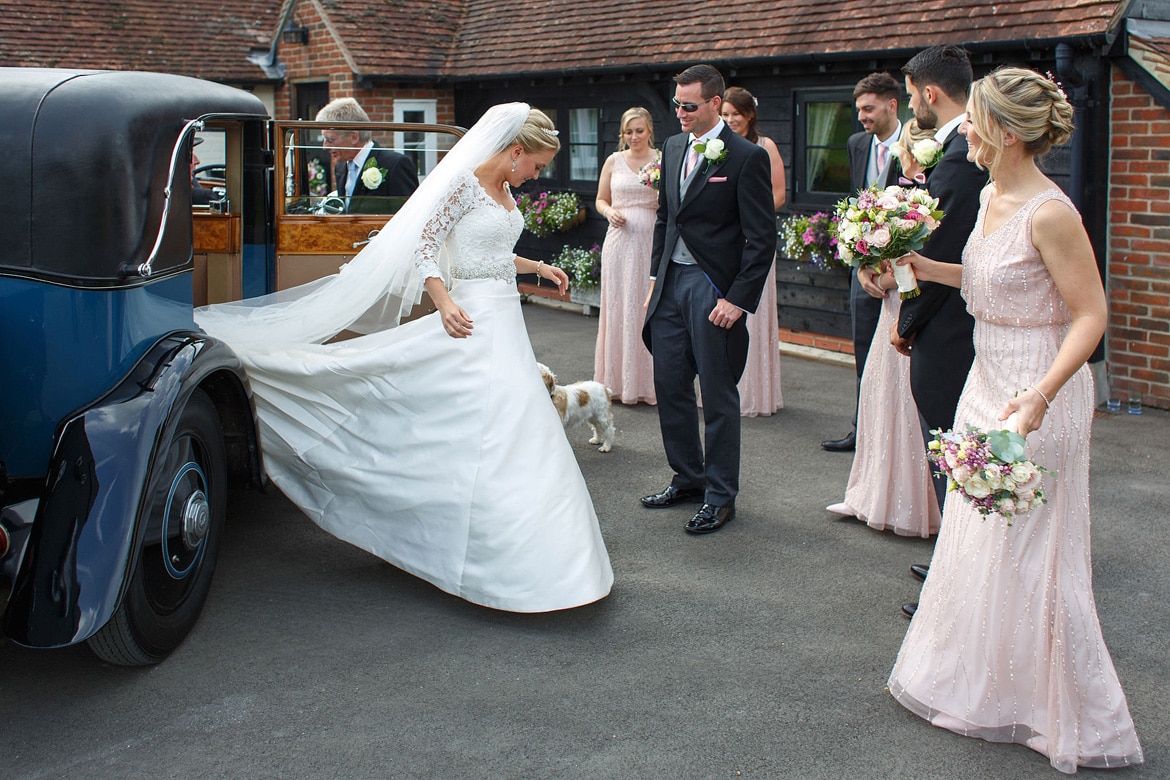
{"points": [[443, 456], [1006, 644]]}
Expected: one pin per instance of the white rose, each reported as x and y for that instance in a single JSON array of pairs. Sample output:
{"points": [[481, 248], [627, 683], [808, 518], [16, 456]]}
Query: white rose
{"points": [[924, 151], [887, 203], [993, 478], [961, 474], [976, 487], [713, 149], [1005, 506], [1025, 475], [372, 178], [879, 237]]}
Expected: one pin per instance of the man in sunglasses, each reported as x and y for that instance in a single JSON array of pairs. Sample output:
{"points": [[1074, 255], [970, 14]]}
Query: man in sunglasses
{"points": [[714, 243]]}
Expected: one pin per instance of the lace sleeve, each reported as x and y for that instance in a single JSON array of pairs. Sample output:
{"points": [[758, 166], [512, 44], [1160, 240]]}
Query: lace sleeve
{"points": [[434, 233]]}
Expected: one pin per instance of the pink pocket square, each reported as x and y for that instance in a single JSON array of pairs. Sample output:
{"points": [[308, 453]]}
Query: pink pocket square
{"points": [[717, 179]]}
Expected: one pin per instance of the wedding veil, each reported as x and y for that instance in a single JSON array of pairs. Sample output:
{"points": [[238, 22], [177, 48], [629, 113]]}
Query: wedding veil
{"points": [[381, 283]]}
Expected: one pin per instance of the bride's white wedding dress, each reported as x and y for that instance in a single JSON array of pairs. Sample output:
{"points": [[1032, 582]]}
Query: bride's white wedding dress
{"points": [[443, 456]]}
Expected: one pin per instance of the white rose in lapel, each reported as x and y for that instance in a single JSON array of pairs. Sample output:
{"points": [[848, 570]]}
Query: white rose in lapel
{"points": [[713, 151], [372, 175], [927, 152]]}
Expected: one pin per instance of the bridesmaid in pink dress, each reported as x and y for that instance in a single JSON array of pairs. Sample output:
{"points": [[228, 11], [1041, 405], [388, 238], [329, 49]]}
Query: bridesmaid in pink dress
{"points": [[759, 388], [889, 485], [621, 361], [1006, 644]]}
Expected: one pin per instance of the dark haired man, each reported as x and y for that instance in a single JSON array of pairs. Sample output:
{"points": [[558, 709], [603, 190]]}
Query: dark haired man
{"points": [[714, 242], [870, 156], [934, 329]]}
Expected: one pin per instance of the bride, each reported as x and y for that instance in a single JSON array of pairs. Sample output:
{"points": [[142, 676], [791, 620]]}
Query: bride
{"points": [[431, 444]]}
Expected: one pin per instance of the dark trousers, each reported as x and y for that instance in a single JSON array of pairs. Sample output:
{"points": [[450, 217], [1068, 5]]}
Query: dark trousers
{"points": [[686, 343]]}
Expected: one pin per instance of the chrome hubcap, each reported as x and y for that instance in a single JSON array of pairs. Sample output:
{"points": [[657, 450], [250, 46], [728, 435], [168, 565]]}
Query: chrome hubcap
{"points": [[196, 519]]}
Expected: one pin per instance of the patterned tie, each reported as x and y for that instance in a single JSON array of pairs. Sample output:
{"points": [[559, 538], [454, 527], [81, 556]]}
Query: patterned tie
{"points": [[692, 159]]}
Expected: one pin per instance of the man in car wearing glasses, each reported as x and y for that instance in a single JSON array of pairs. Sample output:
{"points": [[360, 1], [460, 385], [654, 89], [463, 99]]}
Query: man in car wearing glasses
{"points": [[366, 175]]}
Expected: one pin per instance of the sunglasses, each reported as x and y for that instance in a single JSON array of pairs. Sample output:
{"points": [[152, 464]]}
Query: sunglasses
{"points": [[690, 108]]}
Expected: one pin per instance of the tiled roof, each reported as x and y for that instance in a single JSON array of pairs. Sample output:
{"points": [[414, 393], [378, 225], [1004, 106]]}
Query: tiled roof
{"points": [[482, 38], [206, 39], [589, 34], [411, 38]]}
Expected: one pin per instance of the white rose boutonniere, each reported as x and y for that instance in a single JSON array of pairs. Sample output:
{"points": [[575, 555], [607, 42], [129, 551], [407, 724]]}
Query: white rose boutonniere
{"points": [[927, 152], [372, 175], [713, 151]]}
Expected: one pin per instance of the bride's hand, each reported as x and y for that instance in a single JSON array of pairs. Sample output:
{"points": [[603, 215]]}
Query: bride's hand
{"points": [[455, 321], [555, 275]]}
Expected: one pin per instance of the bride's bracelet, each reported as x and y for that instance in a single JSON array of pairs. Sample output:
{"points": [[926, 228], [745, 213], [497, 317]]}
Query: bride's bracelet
{"points": [[538, 276]]}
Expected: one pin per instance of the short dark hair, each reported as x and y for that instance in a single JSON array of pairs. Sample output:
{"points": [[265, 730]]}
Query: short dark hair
{"points": [[881, 84], [706, 75], [946, 67]]}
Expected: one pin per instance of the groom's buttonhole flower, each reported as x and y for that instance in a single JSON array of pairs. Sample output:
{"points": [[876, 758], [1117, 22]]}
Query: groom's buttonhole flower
{"points": [[713, 151]]}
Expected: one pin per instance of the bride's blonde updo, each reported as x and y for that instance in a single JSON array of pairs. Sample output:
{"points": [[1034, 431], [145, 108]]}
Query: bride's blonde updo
{"points": [[538, 133], [1022, 102]]}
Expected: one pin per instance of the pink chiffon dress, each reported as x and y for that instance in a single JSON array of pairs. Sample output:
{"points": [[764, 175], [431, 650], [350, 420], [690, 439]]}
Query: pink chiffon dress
{"points": [[889, 486], [759, 387], [621, 361], [1006, 644]]}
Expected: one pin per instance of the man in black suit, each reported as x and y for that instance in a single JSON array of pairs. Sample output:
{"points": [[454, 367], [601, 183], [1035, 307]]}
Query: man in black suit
{"points": [[871, 159], [714, 243], [934, 328], [367, 176]]}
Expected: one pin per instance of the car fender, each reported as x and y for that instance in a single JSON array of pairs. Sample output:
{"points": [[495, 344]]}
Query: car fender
{"points": [[74, 567]]}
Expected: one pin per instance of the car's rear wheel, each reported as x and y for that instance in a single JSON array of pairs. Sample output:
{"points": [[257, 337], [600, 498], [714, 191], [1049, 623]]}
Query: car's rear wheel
{"points": [[183, 516]]}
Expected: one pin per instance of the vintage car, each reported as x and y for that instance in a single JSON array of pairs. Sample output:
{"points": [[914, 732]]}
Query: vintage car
{"points": [[122, 425]]}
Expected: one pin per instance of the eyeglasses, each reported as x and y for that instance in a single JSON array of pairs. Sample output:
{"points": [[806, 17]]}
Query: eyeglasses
{"points": [[690, 108]]}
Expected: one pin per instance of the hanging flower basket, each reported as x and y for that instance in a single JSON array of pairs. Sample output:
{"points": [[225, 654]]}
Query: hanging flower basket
{"points": [[546, 213]]}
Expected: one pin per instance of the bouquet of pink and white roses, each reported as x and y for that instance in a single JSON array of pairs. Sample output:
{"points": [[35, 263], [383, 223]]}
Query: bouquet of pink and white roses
{"points": [[989, 469], [651, 173], [880, 225]]}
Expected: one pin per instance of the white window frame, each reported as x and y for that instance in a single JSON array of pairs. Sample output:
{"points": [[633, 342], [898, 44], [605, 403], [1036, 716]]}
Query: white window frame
{"points": [[429, 109]]}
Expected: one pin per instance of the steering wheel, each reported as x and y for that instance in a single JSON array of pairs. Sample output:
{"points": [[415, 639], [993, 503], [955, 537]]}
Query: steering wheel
{"points": [[220, 171], [330, 205]]}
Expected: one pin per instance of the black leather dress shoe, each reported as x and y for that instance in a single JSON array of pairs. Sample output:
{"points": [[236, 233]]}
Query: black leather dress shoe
{"points": [[919, 570], [710, 518], [909, 609], [848, 444], [671, 496]]}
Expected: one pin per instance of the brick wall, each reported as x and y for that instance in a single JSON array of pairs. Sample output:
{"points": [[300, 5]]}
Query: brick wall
{"points": [[1138, 275]]}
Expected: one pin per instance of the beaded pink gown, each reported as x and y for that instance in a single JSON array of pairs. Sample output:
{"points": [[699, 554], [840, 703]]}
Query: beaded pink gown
{"points": [[1006, 644], [621, 361], [889, 486], [759, 387]]}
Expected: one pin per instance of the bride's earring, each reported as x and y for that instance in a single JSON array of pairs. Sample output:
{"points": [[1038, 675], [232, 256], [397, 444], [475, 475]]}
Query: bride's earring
{"points": [[513, 166]]}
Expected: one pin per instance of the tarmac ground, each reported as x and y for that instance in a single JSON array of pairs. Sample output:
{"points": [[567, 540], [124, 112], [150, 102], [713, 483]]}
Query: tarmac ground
{"points": [[759, 651]]}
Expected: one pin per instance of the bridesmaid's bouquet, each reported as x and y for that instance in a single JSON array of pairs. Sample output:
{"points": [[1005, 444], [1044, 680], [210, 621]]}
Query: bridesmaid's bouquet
{"points": [[988, 469], [651, 173], [880, 225]]}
